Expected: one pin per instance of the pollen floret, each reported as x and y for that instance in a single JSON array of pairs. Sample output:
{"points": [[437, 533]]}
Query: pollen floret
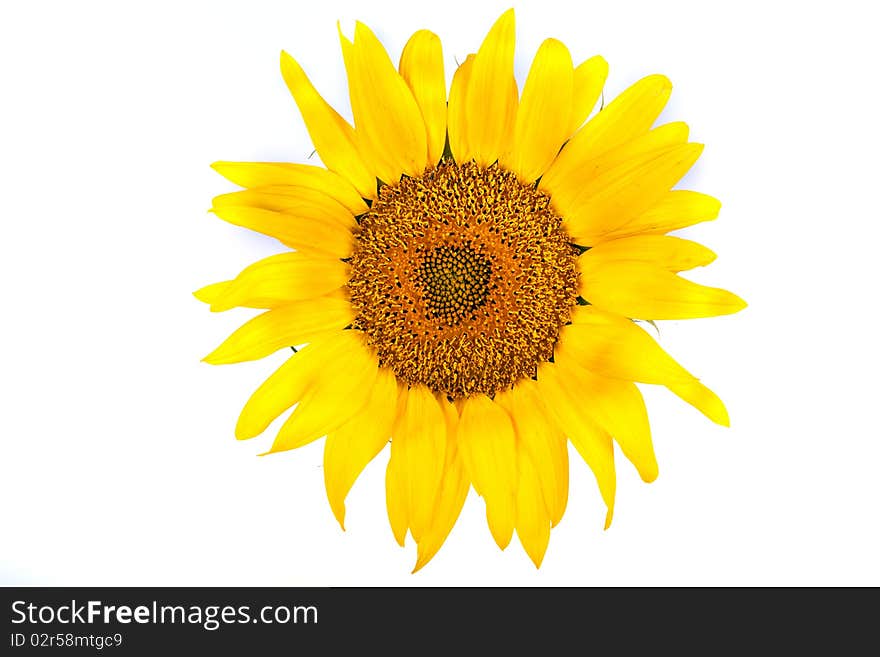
{"points": [[454, 281]]}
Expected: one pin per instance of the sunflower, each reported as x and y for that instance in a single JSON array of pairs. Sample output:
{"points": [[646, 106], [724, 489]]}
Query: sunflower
{"points": [[465, 280]]}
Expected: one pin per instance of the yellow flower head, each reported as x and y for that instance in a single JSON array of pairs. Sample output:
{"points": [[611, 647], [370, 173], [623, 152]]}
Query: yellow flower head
{"points": [[462, 281]]}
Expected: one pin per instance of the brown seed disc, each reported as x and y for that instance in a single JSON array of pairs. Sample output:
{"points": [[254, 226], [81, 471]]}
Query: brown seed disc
{"points": [[462, 278]]}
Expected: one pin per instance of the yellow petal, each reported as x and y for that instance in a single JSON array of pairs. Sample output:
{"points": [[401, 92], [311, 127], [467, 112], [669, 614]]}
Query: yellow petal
{"points": [[616, 347], [617, 406], [532, 519], [646, 291], [299, 201], [283, 174], [625, 191], [572, 181], [592, 442], [544, 115], [703, 399], [286, 326], [458, 121], [539, 437], [453, 492], [488, 446], [286, 385], [661, 137], [388, 121], [339, 390], [589, 78], [670, 253], [313, 235], [280, 279], [333, 138], [421, 66], [396, 501], [211, 292], [491, 107], [347, 48], [349, 449], [676, 209], [418, 448], [629, 115]]}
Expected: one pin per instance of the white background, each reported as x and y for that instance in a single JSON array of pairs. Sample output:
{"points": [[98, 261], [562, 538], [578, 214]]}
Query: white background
{"points": [[119, 465]]}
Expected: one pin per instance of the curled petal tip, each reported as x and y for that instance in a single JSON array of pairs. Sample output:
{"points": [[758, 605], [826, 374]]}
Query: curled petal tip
{"points": [[241, 435], [664, 82], [608, 517], [422, 560], [650, 476], [339, 514]]}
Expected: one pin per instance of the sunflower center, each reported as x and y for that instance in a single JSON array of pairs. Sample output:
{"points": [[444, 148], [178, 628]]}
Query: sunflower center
{"points": [[461, 279], [454, 281]]}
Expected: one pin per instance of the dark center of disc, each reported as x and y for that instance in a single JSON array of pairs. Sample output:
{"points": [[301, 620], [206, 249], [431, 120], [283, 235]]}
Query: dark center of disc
{"points": [[454, 281]]}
